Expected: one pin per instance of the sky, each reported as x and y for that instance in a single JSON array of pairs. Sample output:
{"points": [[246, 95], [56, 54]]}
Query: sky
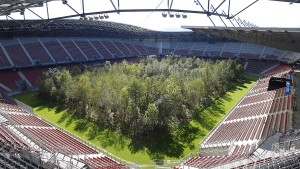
{"points": [[264, 13]]}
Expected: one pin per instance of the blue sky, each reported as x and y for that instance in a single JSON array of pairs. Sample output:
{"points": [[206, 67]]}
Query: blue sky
{"points": [[264, 13]]}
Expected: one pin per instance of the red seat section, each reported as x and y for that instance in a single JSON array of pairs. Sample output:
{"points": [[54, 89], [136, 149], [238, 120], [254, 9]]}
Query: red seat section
{"points": [[132, 49], [56, 50], [140, 48], [112, 48], [125, 51], [37, 52], [10, 139], [17, 55], [3, 60], [27, 120], [73, 50], [9, 79], [101, 49], [87, 49], [2, 90], [59, 141], [258, 66], [4, 105], [239, 152], [102, 163], [34, 74]]}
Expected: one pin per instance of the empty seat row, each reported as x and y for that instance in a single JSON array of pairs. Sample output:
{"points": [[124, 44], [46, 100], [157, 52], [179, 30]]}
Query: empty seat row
{"points": [[58, 141], [10, 139], [102, 162], [27, 120], [237, 131], [257, 109], [239, 152]]}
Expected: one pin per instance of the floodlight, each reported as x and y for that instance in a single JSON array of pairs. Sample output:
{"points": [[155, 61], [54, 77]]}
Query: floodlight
{"points": [[22, 11], [96, 17], [177, 15], [164, 14], [101, 16], [171, 15], [184, 16], [106, 16]]}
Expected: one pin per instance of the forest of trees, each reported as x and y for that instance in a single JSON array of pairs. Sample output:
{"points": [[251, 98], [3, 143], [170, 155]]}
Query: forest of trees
{"points": [[145, 100]]}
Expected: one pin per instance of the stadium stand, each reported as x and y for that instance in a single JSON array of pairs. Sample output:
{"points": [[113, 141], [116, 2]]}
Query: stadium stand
{"points": [[3, 90], [214, 49], [123, 49], [271, 53], [16, 53], [87, 48], [26, 133], [56, 50], [140, 48], [231, 50], [10, 79], [258, 67], [133, 50], [183, 49], [199, 49], [73, 49], [256, 117], [251, 51], [4, 63], [36, 50], [34, 74], [113, 49], [105, 53]]}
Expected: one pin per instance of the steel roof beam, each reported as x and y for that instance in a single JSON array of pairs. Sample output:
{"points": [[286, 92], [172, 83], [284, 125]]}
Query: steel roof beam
{"points": [[245, 8]]}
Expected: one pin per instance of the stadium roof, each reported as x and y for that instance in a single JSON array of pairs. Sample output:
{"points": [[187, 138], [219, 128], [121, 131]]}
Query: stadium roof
{"points": [[87, 28], [9, 6], [281, 38]]}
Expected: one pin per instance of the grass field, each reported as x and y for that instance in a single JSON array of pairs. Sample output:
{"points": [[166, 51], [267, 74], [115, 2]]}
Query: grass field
{"points": [[122, 147]]}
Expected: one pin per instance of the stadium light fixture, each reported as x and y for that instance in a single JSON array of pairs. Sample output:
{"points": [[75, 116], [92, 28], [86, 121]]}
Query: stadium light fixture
{"points": [[106, 16], [22, 11], [96, 17], [171, 15], [164, 14], [41, 4], [184, 15], [177, 15], [101, 16]]}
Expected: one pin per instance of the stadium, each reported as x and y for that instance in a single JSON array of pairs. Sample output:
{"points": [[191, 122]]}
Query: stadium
{"points": [[253, 122]]}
